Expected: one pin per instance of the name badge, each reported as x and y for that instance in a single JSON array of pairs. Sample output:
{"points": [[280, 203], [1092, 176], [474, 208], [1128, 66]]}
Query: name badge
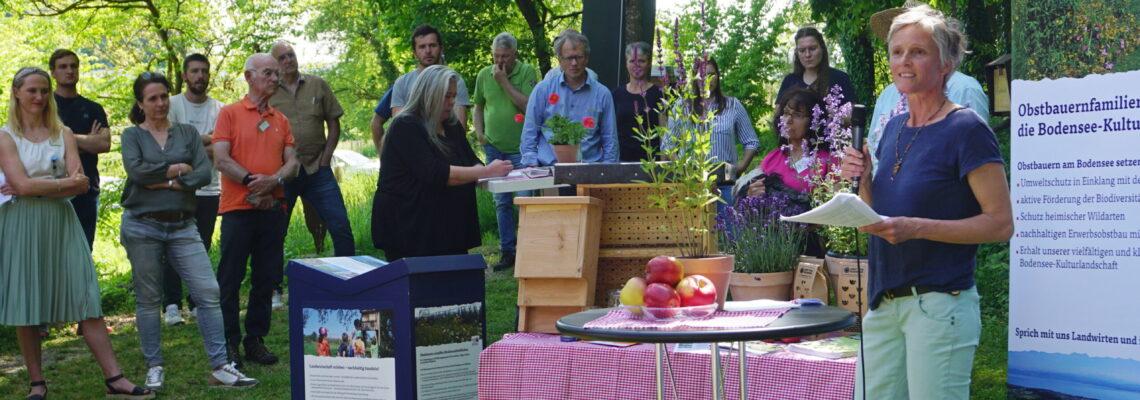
{"points": [[802, 165], [261, 127]]}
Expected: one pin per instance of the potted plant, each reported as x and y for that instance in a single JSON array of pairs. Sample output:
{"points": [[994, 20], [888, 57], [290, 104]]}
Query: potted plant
{"points": [[566, 135], [766, 249], [846, 247], [685, 186]]}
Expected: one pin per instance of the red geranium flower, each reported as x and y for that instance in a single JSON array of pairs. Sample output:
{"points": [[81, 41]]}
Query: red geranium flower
{"points": [[553, 99], [519, 118], [588, 122]]}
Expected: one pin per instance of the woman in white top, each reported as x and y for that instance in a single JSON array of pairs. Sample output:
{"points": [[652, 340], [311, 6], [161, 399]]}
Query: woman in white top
{"points": [[48, 275]]}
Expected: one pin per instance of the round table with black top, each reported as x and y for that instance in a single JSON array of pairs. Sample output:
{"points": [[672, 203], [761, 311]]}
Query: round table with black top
{"points": [[794, 323]]}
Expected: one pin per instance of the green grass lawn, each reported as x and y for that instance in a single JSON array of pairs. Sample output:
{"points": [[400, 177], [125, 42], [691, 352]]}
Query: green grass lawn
{"points": [[73, 374]]}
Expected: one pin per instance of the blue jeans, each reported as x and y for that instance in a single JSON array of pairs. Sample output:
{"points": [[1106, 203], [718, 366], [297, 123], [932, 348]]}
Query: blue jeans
{"points": [[726, 195], [504, 202], [206, 215], [152, 245], [322, 192]]}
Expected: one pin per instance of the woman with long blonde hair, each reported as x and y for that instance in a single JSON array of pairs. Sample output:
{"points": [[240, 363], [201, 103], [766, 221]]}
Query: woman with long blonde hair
{"points": [[47, 275]]}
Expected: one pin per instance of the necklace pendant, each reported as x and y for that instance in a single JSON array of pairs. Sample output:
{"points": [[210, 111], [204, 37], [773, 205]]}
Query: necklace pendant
{"points": [[895, 171]]}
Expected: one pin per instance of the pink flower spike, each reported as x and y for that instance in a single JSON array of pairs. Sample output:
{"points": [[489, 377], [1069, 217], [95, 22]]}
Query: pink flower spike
{"points": [[588, 122], [519, 118]]}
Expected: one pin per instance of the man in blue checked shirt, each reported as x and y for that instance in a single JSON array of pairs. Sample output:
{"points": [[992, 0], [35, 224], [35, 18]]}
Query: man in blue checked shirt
{"points": [[577, 97]]}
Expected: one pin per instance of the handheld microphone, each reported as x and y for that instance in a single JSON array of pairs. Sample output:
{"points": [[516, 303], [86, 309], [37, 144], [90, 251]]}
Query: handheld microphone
{"points": [[858, 132]]}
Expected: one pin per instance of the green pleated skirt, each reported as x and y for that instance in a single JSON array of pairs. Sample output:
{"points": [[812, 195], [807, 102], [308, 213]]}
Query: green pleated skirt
{"points": [[46, 272]]}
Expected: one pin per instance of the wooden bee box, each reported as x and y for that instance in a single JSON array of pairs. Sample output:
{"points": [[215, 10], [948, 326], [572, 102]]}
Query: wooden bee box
{"points": [[541, 319], [558, 237], [556, 292]]}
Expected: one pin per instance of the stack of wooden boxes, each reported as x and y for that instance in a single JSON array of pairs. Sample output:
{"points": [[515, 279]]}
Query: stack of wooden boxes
{"points": [[556, 258], [631, 235]]}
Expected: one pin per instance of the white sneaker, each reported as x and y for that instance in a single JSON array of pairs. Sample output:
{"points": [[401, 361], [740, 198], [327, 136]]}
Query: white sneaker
{"points": [[228, 376], [277, 303], [154, 378], [173, 315]]}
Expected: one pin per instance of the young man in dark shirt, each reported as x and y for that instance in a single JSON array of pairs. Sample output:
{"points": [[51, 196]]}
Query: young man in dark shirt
{"points": [[88, 122]]}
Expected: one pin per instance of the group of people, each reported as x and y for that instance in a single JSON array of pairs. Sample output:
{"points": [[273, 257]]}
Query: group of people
{"points": [[188, 158]]}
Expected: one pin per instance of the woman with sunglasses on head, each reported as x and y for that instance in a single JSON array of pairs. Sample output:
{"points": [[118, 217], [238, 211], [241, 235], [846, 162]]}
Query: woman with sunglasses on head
{"points": [[47, 275], [802, 154], [811, 68], [165, 163]]}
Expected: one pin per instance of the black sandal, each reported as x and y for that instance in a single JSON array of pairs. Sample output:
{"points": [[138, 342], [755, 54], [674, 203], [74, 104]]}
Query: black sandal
{"points": [[38, 396], [138, 393]]}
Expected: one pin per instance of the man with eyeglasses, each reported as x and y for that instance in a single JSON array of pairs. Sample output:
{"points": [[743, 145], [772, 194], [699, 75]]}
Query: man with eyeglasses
{"points": [[88, 121], [309, 103], [501, 92], [196, 108], [427, 45], [253, 149], [573, 94]]}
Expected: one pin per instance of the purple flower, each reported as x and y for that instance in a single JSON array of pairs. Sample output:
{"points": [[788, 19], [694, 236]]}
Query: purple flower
{"points": [[1098, 36], [1085, 47], [1108, 65], [1079, 37]]}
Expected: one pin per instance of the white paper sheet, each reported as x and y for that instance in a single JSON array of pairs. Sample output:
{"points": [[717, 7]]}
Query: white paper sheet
{"points": [[844, 209]]}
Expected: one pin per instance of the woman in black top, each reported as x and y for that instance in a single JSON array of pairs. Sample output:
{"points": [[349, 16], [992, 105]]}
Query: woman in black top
{"points": [[425, 199], [812, 70], [638, 97]]}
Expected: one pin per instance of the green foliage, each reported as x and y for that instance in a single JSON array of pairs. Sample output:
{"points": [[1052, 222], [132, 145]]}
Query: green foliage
{"points": [[566, 132], [685, 187], [374, 43], [1063, 38], [732, 35]]}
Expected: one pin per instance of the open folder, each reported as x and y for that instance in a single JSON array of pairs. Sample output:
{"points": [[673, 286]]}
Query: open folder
{"points": [[845, 209]]}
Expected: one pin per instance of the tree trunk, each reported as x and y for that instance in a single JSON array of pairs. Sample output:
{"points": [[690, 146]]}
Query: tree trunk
{"points": [[530, 10]]}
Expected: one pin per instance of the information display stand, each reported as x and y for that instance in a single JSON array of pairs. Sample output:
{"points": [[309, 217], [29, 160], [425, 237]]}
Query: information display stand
{"points": [[361, 328]]}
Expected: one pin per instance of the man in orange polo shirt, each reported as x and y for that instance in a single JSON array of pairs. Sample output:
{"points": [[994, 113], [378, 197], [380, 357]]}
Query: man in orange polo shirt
{"points": [[253, 149]]}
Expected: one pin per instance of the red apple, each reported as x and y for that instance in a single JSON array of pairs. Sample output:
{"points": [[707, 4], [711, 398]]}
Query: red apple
{"points": [[696, 290], [662, 296], [664, 269]]}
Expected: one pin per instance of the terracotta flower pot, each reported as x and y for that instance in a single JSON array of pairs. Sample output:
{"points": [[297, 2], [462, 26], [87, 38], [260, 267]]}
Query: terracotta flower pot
{"points": [[566, 153], [717, 268], [769, 285], [845, 277]]}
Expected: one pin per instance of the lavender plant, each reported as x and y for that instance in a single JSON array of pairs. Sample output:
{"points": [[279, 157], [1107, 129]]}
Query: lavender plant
{"points": [[752, 231]]}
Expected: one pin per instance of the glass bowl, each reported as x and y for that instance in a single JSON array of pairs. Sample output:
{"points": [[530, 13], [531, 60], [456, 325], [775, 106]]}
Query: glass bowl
{"points": [[670, 314]]}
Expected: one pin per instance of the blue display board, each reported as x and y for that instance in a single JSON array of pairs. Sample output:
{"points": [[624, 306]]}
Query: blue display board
{"points": [[410, 329]]}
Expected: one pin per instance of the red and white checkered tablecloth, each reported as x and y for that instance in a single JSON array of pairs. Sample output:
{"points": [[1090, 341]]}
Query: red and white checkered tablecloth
{"points": [[535, 366], [623, 319]]}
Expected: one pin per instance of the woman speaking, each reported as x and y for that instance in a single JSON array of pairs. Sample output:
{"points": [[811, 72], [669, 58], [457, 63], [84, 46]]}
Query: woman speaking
{"points": [[942, 184]]}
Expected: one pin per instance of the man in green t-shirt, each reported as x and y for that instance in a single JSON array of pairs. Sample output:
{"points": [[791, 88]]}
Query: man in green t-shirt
{"points": [[501, 92]]}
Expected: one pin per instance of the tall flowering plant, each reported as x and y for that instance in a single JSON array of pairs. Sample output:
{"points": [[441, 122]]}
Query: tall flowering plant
{"points": [[752, 231], [685, 185], [565, 131], [834, 122]]}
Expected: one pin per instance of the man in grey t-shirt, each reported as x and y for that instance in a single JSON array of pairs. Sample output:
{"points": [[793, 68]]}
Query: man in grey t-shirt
{"points": [[196, 108], [427, 44]]}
